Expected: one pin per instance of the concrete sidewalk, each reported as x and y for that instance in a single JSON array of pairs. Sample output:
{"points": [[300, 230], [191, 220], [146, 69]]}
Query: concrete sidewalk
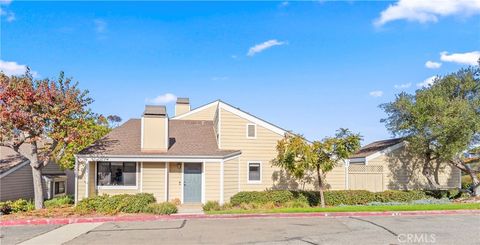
{"points": [[62, 234]]}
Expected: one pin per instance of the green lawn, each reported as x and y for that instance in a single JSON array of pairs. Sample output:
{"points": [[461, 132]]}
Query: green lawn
{"points": [[418, 207]]}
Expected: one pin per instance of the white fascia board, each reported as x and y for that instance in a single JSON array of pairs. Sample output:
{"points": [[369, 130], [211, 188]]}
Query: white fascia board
{"points": [[384, 151], [201, 108], [156, 158], [252, 119], [20, 165]]}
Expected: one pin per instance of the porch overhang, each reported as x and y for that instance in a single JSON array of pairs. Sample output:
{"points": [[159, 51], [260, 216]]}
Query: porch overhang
{"points": [[159, 158]]}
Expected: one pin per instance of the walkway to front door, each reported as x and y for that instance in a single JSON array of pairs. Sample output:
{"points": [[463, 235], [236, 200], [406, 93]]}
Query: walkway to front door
{"points": [[192, 183]]}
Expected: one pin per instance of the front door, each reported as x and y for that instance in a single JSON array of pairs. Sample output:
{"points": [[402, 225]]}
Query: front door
{"points": [[192, 182]]}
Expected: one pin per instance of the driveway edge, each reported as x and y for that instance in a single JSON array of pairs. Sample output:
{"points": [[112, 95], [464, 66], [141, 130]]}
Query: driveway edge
{"points": [[65, 221]]}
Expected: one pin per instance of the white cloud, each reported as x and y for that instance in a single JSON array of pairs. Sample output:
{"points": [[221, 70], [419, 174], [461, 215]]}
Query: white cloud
{"points": [[284, 4], [468, 58], [376, 93], [424, 11], [162, 99], [11, 68], [100, 25], [427, 82], [5, 2], [9, 15], [263, 46], [432, 64], [402, 86]]}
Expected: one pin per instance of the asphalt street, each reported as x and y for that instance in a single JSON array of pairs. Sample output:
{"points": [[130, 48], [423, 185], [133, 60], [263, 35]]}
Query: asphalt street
{"points": [[446, 229]]}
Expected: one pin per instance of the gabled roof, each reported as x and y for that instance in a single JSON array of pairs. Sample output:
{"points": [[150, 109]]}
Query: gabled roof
{"points": [[376, 147], [9, 159], [186, 138], [237, 111]]}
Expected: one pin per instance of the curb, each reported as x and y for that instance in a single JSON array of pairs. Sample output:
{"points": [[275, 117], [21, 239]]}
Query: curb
{"points": [[65, 221]]}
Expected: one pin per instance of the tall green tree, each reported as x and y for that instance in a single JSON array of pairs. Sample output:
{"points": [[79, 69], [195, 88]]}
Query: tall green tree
{"points": [[440, 122], [91, 130], [299, 157], [46, 115]]}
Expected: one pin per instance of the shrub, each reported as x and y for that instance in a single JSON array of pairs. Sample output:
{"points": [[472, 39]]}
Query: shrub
{"points": [[118, 203], [212, 206], [161, 208], [277, 196], [332, 198], [449, 194], [176, 201], [58, 202], [467, 181], [22, 205], [399, 196], [5, 208]]}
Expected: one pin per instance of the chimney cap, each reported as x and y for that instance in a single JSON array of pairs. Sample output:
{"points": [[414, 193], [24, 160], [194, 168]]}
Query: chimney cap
{"points": [[183, 100], [155, 110]]}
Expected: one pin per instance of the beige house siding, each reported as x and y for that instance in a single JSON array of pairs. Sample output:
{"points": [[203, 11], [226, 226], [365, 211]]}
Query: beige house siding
{"points": [[91, 180], [154, 133], [175, 181], [404, 172], [18, 184], [230, 179], [261, 149], [81, 180], [336, 178], [154, 179], [205, 114], [212, 181]]}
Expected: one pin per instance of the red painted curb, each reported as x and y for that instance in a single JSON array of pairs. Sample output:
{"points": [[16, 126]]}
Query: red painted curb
{"points": [[64, 221]]}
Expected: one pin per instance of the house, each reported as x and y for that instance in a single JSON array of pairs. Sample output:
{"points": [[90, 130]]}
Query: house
{"points": [[387, 165], [209, 154], [16, 179]]}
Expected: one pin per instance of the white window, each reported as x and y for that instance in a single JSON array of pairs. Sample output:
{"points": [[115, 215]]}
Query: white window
{"points": [[251, 131], [117, 174], [254, 172], [59, 188]]}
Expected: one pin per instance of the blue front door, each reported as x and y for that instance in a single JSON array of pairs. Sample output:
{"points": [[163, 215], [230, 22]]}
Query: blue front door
{"points": [[192, 182]]}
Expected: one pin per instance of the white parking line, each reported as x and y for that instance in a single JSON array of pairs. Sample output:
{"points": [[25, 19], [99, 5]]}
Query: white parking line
{"points": [[62, 234]]}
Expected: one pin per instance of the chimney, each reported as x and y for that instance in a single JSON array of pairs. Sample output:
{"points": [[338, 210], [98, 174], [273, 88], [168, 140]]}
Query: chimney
{"points": [[182, 106], [154, 129]]}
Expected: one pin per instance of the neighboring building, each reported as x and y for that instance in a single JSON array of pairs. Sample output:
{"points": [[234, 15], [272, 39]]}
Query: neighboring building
{"points": [[387, 165], [16, 179], [209, 153]]}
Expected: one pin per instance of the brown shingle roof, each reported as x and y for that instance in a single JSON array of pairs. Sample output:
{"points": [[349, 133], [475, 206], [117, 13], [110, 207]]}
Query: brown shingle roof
{"points": [[187, 138], [9, 159], [375, 147]]}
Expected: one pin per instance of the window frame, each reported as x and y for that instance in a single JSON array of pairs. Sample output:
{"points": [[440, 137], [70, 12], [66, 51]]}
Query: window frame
{"points": [[116, 187], [246, 129], [64, 188], [248, 172]]}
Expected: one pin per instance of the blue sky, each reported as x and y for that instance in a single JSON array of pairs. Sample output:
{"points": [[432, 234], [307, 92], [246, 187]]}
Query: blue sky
{"points": [[311, 67]]}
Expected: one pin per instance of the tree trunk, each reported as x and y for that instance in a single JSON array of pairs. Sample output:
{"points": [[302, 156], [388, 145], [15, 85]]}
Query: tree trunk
{"points": [[428, 173], [474, 189], [37, 177], [320, 186]]}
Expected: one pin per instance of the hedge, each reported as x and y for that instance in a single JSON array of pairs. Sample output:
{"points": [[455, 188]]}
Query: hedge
{"points": [[332, 198], [118, 203]]}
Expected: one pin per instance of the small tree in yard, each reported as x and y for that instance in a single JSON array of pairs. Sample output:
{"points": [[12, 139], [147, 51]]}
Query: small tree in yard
{"points": [[440, 122], [300, 158], [45, 114]]}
